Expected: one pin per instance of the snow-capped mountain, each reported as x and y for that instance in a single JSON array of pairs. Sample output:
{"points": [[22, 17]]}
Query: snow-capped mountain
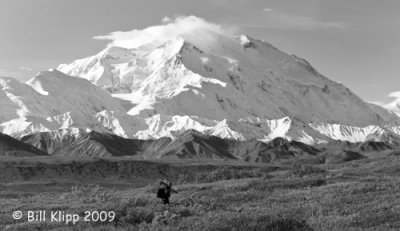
{"points": [[50, 101], [394, 106], [230, 78], [233, 87]]}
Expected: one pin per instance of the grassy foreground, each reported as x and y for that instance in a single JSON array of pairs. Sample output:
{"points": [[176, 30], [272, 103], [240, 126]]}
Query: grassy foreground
{"points": [[357, 195]]}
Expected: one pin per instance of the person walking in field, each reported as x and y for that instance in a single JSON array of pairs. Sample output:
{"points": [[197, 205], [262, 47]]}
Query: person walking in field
{"points": [[164, 192]]}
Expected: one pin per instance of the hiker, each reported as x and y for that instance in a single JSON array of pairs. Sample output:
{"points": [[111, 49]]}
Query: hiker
{"points": [[164, 192]]}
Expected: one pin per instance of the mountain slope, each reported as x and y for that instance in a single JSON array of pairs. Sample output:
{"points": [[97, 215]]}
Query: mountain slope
{"points": [[230, 78], [50, 101], [188, 145], [277, 149], [54, 141], [13, 147]]}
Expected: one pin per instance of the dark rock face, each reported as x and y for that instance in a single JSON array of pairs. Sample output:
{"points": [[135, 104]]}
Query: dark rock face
{"points": [[194, 145], [13, 147], [189, 145]]}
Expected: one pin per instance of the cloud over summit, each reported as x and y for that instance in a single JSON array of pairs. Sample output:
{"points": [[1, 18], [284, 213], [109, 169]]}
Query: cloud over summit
{"points": [[169, 29]]}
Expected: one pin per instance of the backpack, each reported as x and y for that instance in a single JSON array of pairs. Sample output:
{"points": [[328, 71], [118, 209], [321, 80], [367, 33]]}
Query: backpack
{"points": [[160, 193]]}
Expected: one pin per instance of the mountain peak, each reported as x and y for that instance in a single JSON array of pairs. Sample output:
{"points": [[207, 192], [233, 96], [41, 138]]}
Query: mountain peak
{"points": [[247, 42], [168, 79], [225, 78]]}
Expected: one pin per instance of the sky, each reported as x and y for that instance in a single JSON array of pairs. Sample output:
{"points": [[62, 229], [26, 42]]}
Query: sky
{"points": [[355, 42]]}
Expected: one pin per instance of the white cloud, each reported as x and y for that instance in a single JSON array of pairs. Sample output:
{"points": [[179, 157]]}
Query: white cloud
{"points": [[392, 104], [267, 10], [395, 95], [25, 69], [166, 20], [191, 27]]}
